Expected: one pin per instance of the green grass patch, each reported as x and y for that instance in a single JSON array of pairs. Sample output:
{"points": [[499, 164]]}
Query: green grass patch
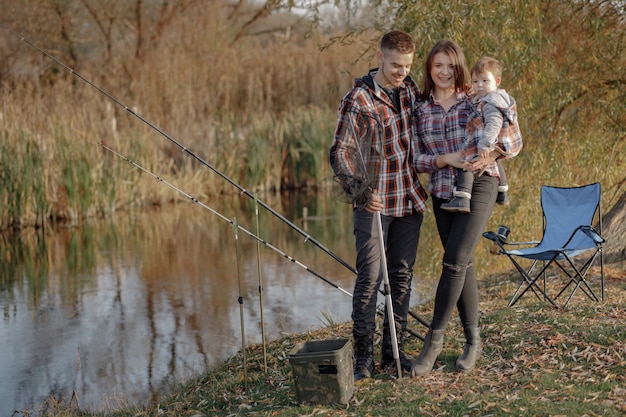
{"points": [[537, 361]]}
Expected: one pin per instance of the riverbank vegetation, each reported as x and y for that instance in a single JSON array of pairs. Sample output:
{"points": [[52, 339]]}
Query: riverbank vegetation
{"points": [[537, 361], [254, 93]]}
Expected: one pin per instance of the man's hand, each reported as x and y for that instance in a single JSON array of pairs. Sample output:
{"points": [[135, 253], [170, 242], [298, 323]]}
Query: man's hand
{"points": [[375, 204]]}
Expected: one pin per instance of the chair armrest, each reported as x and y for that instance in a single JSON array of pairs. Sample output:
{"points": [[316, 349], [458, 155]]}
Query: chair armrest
{"points": [[532, 242], [494, 237], [593, 234]]}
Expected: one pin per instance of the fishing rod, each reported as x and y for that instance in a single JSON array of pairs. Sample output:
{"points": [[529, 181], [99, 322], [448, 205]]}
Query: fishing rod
{"points": [[391, 318], [221, 216], [260, 277], [240, 301], [252, 235], [307, 236]]}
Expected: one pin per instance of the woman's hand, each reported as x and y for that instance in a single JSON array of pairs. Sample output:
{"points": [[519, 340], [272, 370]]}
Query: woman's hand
{"points": [[452, 159], [480, 164], [375, 204]]}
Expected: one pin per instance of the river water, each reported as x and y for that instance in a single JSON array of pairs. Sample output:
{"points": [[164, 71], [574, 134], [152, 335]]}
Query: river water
{"points": [[113, 312]]}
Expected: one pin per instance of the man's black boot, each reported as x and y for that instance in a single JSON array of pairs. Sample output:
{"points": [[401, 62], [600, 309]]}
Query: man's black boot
{"points": [[363, 356], [406, 361]]}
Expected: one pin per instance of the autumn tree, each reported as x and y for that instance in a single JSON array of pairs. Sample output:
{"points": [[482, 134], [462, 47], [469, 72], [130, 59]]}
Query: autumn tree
{"points": [[565, 64]]}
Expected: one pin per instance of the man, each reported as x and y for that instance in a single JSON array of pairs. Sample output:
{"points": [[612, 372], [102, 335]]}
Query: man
{"points": [[371, 157]]}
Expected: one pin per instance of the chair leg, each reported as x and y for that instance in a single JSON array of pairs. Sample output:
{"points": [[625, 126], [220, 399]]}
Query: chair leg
{"points": [[576, 274], [578, 278], [602, 272], [531, 283]]}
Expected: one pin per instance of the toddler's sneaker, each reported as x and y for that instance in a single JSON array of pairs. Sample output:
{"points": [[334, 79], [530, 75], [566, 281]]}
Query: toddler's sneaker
{"points": [[457, 205]]}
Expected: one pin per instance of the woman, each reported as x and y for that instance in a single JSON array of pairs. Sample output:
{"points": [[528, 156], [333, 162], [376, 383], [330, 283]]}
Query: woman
{"points": [[441, 117]]}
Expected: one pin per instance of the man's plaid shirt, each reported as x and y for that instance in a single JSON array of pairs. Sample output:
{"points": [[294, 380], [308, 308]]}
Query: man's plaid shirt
{"points": [[367, 107]]}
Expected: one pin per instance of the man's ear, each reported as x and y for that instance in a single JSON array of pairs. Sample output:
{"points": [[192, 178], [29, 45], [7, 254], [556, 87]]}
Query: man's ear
{"points": [[379, 55]]}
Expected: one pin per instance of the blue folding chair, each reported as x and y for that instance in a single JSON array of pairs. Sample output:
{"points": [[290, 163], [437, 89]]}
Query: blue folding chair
{"points": [[568, 233]]}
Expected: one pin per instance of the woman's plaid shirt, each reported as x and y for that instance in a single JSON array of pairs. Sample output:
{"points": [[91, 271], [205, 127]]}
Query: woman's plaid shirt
{"points": [[438, 133]]}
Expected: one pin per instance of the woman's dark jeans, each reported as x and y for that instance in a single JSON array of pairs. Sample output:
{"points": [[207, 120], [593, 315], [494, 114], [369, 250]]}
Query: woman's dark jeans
{"points": [[459, 234]]}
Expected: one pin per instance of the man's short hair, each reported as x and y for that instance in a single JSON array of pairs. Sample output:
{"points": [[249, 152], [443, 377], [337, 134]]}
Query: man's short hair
{"points": [[398, 40]]}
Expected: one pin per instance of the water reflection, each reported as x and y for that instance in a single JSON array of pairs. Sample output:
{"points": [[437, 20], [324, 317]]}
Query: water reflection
{"points": [[116, 312]]}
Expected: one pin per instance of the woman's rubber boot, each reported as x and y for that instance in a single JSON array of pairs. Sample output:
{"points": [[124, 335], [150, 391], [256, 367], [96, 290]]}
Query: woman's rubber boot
{"points": [[471, 351], [433, 344], [363, 357]]}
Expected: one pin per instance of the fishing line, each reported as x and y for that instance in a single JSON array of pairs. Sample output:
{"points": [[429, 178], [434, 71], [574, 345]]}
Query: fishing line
{"points": [[254, 236], [307, 237]]}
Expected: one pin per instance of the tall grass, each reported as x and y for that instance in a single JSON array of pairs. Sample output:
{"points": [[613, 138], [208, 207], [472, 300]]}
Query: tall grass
{"points": [[60, 172], [264, 123], [261, 110], [21, 180]]}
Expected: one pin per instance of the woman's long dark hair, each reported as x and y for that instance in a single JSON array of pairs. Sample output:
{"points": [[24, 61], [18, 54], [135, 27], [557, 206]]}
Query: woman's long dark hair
{"points": [[462, 78]]}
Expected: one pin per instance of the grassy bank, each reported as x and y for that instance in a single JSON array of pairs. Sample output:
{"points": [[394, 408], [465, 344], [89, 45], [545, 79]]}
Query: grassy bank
{"points": [[537, 362]]}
